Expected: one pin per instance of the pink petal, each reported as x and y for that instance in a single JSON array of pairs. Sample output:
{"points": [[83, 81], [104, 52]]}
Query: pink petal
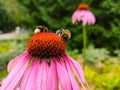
{"points": [[78, 70], [86, 16], [29, 79], [84, 19], [13, 79], [52, 82], [76, 17], [14, 62], [89, 18], [42, 75], [75, 85], [81, 15], [92, 17], [63, 76]]}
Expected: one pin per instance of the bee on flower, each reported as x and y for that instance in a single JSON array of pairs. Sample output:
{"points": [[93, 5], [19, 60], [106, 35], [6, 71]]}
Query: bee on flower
{"points": [[65, 34], [45, 65]]}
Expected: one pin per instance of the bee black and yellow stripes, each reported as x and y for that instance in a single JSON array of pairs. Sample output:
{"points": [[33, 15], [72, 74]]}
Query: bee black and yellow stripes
{"points": [[40, 28], [65, 34]]}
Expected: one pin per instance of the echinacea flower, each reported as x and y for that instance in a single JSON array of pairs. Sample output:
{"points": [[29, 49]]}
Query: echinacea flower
{"points": [[83, 14], [45, 65]]}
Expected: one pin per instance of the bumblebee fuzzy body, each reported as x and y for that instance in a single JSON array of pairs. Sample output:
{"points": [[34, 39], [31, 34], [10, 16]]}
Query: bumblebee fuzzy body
{"points": [[65, 34], [41, 28]]}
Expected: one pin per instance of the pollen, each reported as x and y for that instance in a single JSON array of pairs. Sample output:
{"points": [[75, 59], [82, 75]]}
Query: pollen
{"points": [[82, 7], [46, 45]]}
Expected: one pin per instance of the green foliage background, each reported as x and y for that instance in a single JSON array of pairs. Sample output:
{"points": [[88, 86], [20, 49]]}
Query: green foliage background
{"points": [[56, 14]]}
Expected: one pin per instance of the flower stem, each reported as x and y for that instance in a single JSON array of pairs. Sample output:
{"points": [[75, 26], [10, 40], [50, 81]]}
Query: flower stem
{"points": [[84, 45]]}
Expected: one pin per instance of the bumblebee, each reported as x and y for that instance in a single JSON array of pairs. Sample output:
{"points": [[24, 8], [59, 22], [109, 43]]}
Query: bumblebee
{"points": [[65, 34], [40, 28]]}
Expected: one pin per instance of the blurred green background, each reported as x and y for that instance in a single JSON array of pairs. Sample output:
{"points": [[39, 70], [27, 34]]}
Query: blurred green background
{"points": [[103, 51]]}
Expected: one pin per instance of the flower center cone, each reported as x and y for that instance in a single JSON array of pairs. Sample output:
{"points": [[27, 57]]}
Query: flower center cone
{"points": [[46, 45], [82, 7]]}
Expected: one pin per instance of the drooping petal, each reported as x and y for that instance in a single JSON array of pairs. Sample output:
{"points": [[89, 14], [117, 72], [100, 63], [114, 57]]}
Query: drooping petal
{"points": [[74, 83], [29, 78], [64, 80], [85, 18], [78, 70], [52, 82], [89, 18], [14, 61], [91, 15], [81, 15], [12, 80], [42, 75], [76, 17]]}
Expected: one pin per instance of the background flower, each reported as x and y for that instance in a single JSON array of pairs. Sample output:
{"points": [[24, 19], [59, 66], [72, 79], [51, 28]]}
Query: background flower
{"points": [[83, 14], [86, 16]]}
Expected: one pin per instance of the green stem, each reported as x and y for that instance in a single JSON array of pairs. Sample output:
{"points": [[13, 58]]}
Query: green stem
{"points": [[84, 46]]}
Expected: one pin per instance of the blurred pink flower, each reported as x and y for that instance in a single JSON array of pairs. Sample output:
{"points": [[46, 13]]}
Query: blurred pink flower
{"points": [[83, 14], [44, 66]]}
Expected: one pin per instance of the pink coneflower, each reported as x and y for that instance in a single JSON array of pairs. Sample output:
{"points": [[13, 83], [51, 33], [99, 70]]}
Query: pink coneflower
{"points": [[45, 65], [83, 14]]}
